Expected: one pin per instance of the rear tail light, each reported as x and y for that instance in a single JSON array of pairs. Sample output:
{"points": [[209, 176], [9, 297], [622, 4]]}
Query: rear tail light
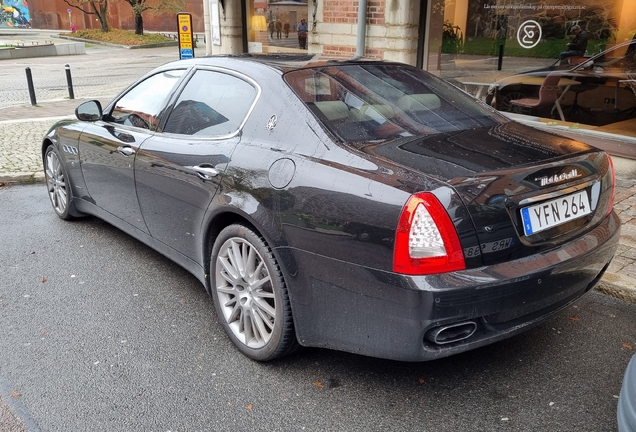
{"points": [[610, 205], [426, 241]]}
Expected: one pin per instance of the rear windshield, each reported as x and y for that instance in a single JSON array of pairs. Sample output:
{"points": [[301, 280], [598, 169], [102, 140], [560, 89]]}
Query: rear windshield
{"points": [[378, 102]]}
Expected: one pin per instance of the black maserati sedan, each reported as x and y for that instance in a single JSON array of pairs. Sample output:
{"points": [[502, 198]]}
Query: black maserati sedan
{"points": [[363, 206]]}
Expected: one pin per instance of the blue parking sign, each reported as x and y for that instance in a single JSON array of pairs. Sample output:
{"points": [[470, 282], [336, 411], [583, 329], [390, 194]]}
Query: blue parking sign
{"points": [[186, 53]]}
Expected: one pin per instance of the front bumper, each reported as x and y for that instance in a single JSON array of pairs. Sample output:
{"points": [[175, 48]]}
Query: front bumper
{"points": [[352, 308]]}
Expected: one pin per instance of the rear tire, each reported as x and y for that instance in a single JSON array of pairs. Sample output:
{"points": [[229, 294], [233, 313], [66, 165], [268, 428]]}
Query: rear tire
{"points": [[250, 295]]}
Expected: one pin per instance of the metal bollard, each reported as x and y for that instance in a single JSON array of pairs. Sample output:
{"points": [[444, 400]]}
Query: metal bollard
{"points": [[500, 60], [69, 82], [30, 85]]}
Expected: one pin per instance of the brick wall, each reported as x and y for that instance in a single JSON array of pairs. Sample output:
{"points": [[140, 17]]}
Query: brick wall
{"points": [[350, 51], [391, 32], [346, 11], [51, 14]]}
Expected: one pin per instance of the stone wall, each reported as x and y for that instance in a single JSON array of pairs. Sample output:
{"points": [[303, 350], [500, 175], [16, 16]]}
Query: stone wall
{"points": [[392, 29]]}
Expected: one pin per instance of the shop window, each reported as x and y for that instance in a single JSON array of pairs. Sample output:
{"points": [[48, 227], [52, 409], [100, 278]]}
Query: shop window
{"points": [[273, 25], [501, 51]]}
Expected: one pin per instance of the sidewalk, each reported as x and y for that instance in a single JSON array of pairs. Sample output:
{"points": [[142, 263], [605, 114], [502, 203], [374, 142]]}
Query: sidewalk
{"points": [[22, 128]]}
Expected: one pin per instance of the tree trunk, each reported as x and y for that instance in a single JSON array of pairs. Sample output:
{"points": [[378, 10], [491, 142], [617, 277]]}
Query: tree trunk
{"points": [[102, 14], [139, 24], [103, 22]]}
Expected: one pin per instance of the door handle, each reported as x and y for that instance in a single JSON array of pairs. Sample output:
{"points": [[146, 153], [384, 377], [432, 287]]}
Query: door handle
{"points": [[205, 171], [126, 150]]}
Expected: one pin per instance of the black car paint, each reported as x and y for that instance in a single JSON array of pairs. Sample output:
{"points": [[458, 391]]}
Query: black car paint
{"points": [[338, 284]]}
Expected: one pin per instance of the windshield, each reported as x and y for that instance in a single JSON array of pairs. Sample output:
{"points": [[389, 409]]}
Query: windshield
{"points": [[378, 102]]}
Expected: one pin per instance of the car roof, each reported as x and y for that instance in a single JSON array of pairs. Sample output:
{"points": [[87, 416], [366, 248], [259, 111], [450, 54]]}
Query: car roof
{"points": [[280, 61]]}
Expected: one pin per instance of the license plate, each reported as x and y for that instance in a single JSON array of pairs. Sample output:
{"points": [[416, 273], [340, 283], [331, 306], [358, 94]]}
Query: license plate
{"points": [[555, 212]]}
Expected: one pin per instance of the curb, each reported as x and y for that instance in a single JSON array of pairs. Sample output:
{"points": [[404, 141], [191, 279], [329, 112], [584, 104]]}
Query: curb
{"points": [[23, 178], [608, 286], [14, 416]]}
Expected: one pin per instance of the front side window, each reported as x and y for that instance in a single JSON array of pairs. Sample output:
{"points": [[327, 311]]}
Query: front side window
{"points": [[141, 106], [211, 104]]}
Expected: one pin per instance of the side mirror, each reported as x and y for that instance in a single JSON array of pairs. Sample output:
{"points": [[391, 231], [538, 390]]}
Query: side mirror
{"points": [[89, 111]]}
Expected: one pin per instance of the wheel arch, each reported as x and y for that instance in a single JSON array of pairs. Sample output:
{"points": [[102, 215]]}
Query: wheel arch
{"points": [[217, 223], [46, 143]]}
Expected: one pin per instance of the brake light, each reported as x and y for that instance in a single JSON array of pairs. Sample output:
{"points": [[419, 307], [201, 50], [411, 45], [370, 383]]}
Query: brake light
{"points": [[610, 205], [426, 241]]}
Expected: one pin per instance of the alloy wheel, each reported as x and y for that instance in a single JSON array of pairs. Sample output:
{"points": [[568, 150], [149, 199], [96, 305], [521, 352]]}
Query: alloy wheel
{"points": [[245, 292], [56, 183]]}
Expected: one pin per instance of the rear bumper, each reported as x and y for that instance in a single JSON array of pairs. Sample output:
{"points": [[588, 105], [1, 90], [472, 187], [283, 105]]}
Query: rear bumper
{"points": [[352, 308]]}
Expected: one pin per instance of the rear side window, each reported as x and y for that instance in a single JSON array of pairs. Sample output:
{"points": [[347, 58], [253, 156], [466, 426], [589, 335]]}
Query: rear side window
{"points": [[212, 104], [141, 106], [379, 102]]}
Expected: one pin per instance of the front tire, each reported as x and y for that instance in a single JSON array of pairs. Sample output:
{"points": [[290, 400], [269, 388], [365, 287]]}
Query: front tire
{"points": [[250, 295], [57, 183]]}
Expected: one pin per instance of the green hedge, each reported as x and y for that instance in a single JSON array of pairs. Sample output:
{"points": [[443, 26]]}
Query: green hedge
{"points": [[547, 48]]}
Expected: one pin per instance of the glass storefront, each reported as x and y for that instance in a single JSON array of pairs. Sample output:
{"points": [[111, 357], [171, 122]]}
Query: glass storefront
{"points": [[274, 26], [514, 55]]}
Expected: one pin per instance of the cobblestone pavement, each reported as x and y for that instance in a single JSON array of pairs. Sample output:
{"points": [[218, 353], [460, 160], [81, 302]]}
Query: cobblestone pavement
{"points": [[19, 149], [620, 278]]}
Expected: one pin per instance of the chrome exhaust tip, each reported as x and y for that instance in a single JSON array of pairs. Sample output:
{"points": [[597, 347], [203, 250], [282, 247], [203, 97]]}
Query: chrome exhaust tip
{"points": [[451, 333]]}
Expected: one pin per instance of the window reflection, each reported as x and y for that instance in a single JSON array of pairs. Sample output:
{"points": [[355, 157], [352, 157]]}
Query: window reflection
{"points": [[141, 106], [500, 51], [211, 104], [273, 25]]}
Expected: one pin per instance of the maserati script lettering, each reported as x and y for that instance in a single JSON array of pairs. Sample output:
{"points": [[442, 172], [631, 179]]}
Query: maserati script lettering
{"points": [[548, 180]]}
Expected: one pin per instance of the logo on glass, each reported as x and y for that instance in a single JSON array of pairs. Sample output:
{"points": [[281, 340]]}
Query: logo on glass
{"points": [[529, 34]]}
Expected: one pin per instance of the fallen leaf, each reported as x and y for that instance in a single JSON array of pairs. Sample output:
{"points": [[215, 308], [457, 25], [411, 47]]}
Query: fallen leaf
{"points": [[44, 331], [15, 394], [421, 381], [628, 346], [43, 279], [250, 406], [318, 384], [574, 319]]}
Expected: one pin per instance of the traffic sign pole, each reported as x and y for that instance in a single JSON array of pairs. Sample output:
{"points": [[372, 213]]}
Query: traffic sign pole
{"points": [[186, 44]]}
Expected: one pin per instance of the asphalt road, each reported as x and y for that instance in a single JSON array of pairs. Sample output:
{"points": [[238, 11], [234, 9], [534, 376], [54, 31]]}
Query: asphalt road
{"points": [[101, 333]]}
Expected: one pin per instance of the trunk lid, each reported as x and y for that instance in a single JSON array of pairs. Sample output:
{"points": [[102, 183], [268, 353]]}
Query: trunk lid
{"points": [[525, 190]]}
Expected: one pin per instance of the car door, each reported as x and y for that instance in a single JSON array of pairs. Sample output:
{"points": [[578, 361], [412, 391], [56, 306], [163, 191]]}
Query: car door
{"points": [[179, 171], [108, 147]]}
